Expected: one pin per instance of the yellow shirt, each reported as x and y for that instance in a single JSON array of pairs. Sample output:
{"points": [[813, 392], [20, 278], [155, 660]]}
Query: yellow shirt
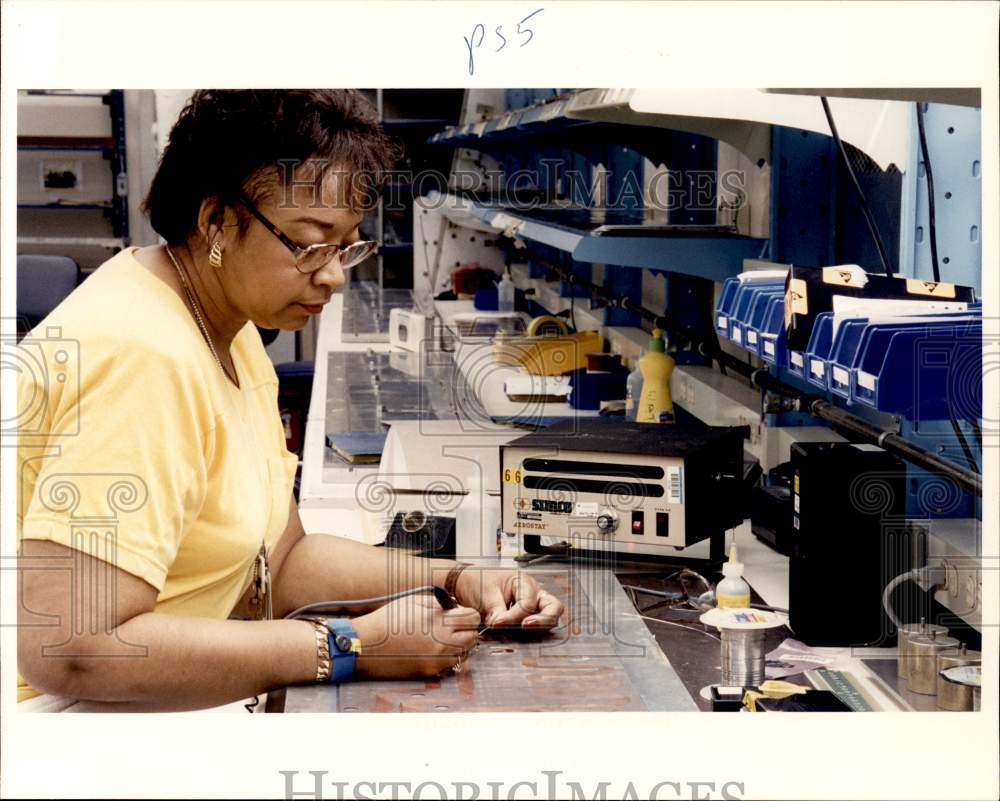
{"points": [[134, 447]]}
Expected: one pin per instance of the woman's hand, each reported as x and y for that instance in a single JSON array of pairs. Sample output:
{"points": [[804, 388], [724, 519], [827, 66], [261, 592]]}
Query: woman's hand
{"points": [[414, 637], [508, 598]]}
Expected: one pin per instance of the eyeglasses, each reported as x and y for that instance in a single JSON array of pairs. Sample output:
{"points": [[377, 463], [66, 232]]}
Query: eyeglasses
{"points": [[311, 258]]}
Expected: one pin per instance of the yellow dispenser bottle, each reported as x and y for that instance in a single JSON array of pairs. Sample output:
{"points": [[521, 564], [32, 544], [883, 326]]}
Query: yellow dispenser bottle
{"points": [[655, 404]]}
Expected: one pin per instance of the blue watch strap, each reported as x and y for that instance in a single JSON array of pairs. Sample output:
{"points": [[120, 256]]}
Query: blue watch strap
{"points": [[344, 647]]}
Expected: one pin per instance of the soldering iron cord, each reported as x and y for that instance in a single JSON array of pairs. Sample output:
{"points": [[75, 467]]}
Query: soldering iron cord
{"points": [[930, 191], [857, 187], [330, 607]]}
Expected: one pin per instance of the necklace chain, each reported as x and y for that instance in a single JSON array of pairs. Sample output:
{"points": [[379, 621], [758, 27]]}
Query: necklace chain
{"points": [[261, 578], [196, 308]]}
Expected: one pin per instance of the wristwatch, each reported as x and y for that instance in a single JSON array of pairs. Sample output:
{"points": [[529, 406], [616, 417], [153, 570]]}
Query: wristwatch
{"points": [[344, 648]]}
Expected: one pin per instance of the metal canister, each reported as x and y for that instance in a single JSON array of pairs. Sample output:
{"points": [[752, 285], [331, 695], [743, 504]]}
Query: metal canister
{"points": [[952, 695], [742, 657], [923, 653], [906, 633]]}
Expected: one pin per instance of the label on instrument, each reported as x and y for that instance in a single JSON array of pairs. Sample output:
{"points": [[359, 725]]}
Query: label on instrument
{"points": [[797, 359], [675, 486], [511, 476], [934, 289], [586, 510]]}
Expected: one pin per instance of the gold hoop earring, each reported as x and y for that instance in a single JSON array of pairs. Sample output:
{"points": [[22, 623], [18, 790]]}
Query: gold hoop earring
{"points": [[215, 255]]}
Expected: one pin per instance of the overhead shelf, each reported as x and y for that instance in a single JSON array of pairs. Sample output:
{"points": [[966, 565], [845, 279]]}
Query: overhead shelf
{"points": [[591, 236], [413, 123], [742, 117], [57, 205], [739, 117], [544, 117], [88, 241], [63, 143], [950, 96]]}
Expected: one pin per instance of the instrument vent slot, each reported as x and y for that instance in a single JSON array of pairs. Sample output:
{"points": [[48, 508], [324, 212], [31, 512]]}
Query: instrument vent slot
{"points": [[591, 469], [589, 485]]}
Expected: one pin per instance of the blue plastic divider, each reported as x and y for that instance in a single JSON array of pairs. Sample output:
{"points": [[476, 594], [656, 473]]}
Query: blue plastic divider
{"points": [[817, 370], [773, 349], [891, 375]]}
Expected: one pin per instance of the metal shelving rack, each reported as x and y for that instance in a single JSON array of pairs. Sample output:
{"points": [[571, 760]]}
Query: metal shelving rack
{"points": [[113, 149], [814, 218]]}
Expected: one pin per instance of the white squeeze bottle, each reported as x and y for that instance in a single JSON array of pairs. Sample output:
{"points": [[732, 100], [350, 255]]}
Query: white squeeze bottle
{"points": [[732, 592], [505, 293], [633, 390]]}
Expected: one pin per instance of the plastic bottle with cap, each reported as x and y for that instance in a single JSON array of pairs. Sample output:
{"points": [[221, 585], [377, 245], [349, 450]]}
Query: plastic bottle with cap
{"points": [[732, 592], [655, 403], [633, 391], [505, 293]]}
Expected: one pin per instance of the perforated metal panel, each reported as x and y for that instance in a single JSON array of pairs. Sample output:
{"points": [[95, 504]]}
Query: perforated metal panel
{"points": [[954, 143]]}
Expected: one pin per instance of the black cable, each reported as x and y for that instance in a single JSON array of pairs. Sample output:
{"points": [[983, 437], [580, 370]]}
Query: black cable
{"points": [[330, 607], [965, 446], [930, 191], [857, 187]]}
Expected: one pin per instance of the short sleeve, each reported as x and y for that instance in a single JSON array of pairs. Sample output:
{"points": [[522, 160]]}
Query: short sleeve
{"points": [[114, 441]]}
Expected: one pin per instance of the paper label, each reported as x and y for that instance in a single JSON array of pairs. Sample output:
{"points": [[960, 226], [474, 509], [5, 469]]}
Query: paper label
{"points": [[795, 502], [795, 300], [751, 337], [816, 367], [732, 601], [797, 359], [840, 376], [769, 348], [847, 275], [930, 288], [736, 335], [723, 321], [675, 485], [866, 380]]}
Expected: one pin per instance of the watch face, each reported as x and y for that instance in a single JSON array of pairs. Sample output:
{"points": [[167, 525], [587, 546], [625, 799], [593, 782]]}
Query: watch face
{"points": [[343, 643]]}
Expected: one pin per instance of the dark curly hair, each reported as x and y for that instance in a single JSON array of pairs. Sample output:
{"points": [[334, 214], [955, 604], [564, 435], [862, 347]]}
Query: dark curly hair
{"points": [[228, 141]]}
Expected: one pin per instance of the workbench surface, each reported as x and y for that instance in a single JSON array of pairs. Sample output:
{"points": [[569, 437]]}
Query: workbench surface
{"points": [[601, 658]]}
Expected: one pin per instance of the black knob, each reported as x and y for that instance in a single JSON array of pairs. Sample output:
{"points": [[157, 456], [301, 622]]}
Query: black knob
{"points": [[607, 523]]}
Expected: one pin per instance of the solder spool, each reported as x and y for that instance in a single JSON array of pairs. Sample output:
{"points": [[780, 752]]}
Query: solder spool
{"points": [[906, 633], [923, 654], [954, 696], [742, 634], [742, 657]]}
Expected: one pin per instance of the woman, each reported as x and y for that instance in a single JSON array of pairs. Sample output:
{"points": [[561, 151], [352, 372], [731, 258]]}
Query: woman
{"points": [[155, 488]]}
